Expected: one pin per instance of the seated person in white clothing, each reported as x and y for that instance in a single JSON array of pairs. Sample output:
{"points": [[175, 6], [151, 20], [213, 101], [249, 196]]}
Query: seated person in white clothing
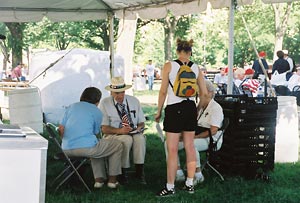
{"points": [[294, 80], [221, 78], [239, 76], [210, 117]]}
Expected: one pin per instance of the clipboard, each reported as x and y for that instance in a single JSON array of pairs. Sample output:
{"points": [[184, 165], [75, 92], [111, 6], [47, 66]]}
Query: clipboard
{"points": [[160, 132]]}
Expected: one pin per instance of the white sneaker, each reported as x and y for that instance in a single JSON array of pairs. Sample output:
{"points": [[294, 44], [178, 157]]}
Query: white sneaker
{"points": [[198, 180], [98, 185], [180, 178], [113, 185]]}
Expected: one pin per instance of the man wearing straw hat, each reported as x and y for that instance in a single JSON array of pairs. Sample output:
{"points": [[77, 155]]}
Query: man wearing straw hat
{"points": [[123, 119]]}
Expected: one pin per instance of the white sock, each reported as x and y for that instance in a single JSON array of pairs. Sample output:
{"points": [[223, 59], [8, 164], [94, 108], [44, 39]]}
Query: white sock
{"points": [[179, 172], [198, 175], [189, 181], [170, 186]]}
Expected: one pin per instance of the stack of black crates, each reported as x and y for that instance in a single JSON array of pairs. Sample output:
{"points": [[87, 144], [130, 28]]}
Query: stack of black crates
{"points": [[249, 141]]}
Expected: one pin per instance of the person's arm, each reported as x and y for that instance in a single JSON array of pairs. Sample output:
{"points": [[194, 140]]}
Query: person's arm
{"points": [[203, 93], [216, 79], [274, 67], [61, 130], [163, 90], [205, 134], [288, 67], [106, 129]]}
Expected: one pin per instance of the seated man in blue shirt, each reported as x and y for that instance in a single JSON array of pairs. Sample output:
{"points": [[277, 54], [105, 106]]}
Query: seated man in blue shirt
{"points": [[78, 129]]}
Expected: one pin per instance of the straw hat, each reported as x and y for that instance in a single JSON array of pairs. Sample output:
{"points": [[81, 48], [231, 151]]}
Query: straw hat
{"points": [[117, 85]]}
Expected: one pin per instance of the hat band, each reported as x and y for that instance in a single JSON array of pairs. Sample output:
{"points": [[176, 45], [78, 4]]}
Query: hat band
{"points": [[117, 86]]}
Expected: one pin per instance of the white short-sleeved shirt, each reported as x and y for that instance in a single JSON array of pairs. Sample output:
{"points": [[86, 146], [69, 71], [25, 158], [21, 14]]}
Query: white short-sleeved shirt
{"points": [[110, 113], [219, 79], [212, 116], [290, 63], [150, 69], [172, 99]]}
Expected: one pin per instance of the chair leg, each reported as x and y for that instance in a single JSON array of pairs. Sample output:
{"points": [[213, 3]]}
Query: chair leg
{"points": [[59, 175], [74, 171], [215, 170]]}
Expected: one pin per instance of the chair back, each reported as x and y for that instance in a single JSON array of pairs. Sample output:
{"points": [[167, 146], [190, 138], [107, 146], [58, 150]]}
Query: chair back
{"points": [[296, 93], [223, 128], [282, 90], [225, 124], [53, 135]]}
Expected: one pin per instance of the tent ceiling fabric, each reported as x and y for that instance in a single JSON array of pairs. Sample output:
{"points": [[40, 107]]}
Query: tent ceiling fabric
{"points": [[76, 10]]}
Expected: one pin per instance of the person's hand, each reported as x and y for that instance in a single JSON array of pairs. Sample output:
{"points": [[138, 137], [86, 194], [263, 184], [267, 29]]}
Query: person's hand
{"points": [[125, 130], [157, 117]]}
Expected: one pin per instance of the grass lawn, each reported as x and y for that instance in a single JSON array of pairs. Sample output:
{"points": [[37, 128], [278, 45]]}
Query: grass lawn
{"points": [[284, 184]]}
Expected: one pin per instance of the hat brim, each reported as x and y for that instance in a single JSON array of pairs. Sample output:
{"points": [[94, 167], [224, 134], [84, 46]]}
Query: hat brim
{"points": [[118, 90]]}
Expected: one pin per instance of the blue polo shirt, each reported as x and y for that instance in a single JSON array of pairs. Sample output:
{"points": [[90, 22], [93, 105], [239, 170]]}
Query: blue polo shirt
{"points": [[81, 121]]}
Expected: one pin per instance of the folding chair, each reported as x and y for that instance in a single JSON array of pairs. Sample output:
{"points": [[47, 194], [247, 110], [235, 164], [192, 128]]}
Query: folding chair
{"points": [[282, 90], [296, 93], [72, 164], [212, 147], [246, 90]]}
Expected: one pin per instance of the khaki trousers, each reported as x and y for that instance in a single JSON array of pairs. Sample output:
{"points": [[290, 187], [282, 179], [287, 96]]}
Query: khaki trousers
{"points": [[138, 144], [110, 149]]}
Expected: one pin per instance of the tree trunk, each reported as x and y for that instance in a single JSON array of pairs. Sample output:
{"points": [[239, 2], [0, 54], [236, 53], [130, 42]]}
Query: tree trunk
{"points": [[169, 29], [125, 46], [16, 30], [105, 35], [281, 23]]}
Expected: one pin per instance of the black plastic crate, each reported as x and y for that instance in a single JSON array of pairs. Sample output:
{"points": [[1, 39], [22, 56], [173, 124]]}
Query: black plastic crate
{"points": [[250, 145], [245, 100], [246, 133]]}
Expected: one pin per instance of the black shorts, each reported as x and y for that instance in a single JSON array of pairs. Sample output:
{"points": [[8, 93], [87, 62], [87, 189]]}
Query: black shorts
{"points": [[180, 117]]}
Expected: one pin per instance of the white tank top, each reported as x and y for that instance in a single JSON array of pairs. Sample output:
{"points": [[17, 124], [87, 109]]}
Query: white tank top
{"points": [[172, 99]]}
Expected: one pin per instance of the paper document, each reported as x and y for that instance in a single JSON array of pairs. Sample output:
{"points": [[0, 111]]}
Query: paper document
{"points": [[9, 127], [160, 132], [10, 130]]}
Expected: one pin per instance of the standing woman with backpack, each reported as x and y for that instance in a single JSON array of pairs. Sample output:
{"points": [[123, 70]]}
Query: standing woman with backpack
{"points": [[181, 81]]}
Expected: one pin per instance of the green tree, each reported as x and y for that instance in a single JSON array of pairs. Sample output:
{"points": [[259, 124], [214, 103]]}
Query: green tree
{"points": [[291, 40], [16, 42], [61, 35]]}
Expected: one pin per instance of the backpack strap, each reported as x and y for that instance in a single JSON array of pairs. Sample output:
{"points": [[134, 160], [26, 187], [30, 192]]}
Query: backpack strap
{"points": [[190, 63]]}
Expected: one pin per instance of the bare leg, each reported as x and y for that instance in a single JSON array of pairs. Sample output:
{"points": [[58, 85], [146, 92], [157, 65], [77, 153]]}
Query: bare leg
{"points": [[188, 140], [172, 147]]}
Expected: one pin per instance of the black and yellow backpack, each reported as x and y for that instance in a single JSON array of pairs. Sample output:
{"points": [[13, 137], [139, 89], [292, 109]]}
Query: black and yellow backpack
{"points": [[185, 84]]}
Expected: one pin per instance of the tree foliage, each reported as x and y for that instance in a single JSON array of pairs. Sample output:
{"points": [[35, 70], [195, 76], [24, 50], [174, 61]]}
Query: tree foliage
{"points": [[62, 35]]}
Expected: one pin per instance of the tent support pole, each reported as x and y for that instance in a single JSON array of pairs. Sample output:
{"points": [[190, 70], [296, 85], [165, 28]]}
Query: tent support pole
{"points": [[230, 47], [111, 43]]}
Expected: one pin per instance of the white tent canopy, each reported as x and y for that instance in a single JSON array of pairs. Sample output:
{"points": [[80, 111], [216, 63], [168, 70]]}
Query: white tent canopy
{"points": [[76, 10]]}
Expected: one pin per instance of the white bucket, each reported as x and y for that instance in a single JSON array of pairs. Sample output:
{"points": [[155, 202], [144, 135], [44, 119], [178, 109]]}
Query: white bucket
{"points": [[287, 136], [25, 108], [139, 83]]}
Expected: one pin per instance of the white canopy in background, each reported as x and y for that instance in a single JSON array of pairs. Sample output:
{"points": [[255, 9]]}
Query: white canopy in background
{"points": [[77, 10]]}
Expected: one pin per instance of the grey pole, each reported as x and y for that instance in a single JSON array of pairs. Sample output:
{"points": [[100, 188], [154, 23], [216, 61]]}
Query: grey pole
{"points": [[111, 43], [230, 48]]}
